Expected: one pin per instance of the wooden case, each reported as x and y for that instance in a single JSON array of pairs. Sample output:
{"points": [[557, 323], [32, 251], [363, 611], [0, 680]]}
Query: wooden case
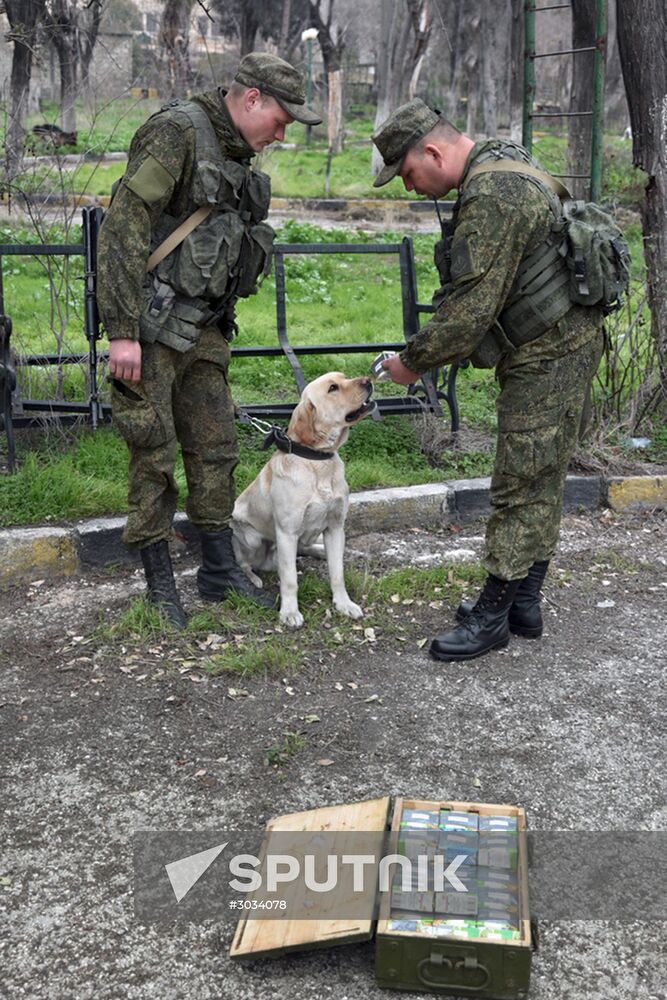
{"points": [[404, 960]]}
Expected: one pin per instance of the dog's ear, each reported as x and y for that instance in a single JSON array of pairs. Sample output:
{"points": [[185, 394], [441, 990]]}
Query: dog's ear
{"points": [[302, 424]]}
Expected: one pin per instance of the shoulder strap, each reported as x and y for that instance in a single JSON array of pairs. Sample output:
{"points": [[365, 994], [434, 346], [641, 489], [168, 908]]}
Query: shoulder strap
{"points": [[515, 166], [178, 236]]}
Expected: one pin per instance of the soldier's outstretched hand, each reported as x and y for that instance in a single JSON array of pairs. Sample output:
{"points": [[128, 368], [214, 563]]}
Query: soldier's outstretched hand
{"points": [[398, 372]]}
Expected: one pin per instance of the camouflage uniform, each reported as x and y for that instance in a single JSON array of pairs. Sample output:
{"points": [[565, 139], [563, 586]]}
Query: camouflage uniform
{"points": [[183, 394], [498, 219]]}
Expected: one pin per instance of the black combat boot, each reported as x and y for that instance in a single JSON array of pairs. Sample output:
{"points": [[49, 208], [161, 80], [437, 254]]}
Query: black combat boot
{"points": [[161, 587], [220, 575], [484, 629], [525, 617]]}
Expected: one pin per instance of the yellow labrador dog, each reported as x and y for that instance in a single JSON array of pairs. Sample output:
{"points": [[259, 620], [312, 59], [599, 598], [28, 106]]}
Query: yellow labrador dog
{"points": [[302, 494]]}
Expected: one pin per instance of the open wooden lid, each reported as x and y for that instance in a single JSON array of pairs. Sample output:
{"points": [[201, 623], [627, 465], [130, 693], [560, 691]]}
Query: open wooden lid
{"points": [[257, 938]]}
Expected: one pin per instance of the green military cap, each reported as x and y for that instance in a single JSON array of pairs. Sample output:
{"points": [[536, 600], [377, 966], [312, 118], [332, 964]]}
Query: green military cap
{"points": [[279, 79], [402, 129]]}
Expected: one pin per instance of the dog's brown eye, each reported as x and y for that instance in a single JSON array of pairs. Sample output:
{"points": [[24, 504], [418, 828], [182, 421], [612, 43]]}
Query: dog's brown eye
{"points": [[333, 387]]}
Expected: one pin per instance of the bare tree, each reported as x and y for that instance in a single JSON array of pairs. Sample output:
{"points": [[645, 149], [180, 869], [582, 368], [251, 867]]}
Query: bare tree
{"points": [[332, 43], [644, 64], [421, 17], [174, 42], [72, 28], [404, 36], [581, 97], [24, 17], [467, 71], [516, 71]]}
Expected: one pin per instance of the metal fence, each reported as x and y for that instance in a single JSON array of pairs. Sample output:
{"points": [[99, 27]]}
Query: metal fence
{"points": [[15, 411]]}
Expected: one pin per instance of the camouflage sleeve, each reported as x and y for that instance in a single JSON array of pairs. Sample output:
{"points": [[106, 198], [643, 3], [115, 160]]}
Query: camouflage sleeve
{"points": [[158, 155], [491, 235]]}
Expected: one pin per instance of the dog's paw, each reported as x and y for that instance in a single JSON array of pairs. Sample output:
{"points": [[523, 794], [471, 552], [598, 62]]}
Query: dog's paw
{"points": [[293, 619], [348, 608]]}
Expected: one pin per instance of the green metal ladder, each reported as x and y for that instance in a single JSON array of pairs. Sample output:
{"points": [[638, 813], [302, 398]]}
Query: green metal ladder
{"points": [[596, 112]]}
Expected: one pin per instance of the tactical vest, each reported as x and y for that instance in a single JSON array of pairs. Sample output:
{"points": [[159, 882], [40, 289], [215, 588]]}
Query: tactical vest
{"points": [[540, 295], [222, 259]]}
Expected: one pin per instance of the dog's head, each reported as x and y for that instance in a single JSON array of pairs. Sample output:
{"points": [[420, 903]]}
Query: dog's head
{"points": [[328, 407]]}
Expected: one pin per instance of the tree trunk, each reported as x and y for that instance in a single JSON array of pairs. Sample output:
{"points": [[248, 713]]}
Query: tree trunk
{"points": [[491, 59], [88, 38], [516, 71], [335, 120], [283, 44], [581, 97], [421, 19], [249, 28], [395, 63], [68, 90], [332, 46], [644, 64], [23, 18], [175, 46]]}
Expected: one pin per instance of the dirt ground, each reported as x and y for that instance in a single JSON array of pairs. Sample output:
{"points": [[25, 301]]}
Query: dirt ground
{"points": [[101, 739]]}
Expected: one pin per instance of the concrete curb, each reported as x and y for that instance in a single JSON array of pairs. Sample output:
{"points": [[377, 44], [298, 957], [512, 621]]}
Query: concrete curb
{"points": [[28, 554]]}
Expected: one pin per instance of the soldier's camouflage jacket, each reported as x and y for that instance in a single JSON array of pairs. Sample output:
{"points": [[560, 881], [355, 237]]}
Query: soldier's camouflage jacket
{"points": [[186, 156], [499, 219]]}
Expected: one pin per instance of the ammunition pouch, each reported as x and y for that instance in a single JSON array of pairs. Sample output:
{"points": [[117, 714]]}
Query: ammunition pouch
{"points": [[221, 259]]}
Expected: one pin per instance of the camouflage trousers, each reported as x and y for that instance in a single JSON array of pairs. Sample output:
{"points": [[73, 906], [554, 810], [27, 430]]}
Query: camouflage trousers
{"points": [[539, 414], [182, 398]]}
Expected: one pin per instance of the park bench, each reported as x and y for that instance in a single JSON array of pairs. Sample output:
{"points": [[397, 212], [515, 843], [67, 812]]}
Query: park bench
{"points": [[433, 388]]}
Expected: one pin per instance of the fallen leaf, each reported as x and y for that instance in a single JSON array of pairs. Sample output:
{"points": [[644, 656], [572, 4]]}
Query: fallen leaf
{"points": [[290, 690], [421, 643], [236, 693], [195, 678], [338, 686], [200, 772], [372, 697], [477, 783], [325, 761], [606, 604], [351, 684], [369, 633], [337, 637], [311, 718], [395, 598]]}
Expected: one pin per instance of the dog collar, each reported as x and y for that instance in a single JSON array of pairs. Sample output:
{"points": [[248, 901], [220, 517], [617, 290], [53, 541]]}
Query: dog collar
{"points": [[279, 438]]}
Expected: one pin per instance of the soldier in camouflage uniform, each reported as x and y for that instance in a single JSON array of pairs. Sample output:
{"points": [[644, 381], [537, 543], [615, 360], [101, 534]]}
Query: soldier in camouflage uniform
{"points": [[504, 303], [169, 327]]}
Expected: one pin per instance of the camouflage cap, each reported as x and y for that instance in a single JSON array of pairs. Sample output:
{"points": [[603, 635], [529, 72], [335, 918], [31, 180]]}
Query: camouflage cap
{"points": [[279, 79], [402, 129]]}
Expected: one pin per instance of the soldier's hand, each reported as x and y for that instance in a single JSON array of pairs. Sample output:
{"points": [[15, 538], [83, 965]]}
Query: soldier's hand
{"points": [[398, 372], [125, 359]]}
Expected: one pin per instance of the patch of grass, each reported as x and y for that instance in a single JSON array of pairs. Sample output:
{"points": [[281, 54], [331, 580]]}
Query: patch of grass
{"points": [[254, 658], [236, 638], [441, 582], [142, 622], [292, 743]]}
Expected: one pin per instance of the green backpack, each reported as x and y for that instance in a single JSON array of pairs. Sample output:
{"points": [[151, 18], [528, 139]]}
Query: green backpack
{"points": [[587, 238], [597, 255]]}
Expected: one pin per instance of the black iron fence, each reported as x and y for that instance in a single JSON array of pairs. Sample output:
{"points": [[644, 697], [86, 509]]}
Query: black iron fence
{"points": [[434, 386]]}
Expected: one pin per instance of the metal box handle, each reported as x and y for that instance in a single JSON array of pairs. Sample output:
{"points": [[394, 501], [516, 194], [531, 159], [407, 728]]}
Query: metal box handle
{"points": [[464, 963]]}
